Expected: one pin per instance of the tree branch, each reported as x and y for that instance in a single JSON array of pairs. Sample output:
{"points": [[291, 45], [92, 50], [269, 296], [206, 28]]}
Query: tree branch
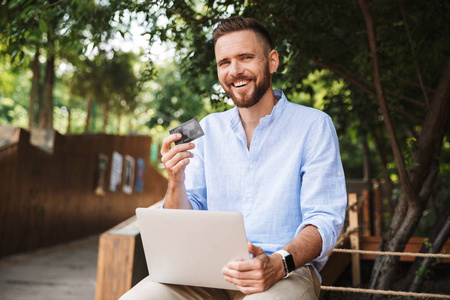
{"points": [[197, 21], [404, 98], [437, 237], [53, 4], [398, 156], [434, 127], [343, 75], [286, 21], [366, 89], [408, 115], [416, 64], [410, 82], [260, 5], [388, 91]]}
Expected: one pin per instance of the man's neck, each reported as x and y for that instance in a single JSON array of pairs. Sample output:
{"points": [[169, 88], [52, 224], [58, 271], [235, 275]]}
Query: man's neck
{"points": [[251, 116]]}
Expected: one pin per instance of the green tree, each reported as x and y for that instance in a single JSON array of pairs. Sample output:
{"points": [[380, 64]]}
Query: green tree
{"points": [[61, 29], [173, 98], [14, 87], [110, 80]]}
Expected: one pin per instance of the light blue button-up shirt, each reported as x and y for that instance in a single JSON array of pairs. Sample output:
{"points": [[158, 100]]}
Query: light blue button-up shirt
{"points": [[291, 176]]}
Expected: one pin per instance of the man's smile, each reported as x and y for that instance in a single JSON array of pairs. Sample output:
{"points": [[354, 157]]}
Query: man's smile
{"points": [[240, 83]]}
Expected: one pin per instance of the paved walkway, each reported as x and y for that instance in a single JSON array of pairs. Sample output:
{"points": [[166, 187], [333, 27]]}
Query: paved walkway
{"points": [[64, 272]]}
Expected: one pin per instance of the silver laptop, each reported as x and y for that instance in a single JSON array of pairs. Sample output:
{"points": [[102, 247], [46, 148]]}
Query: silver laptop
{"points": [[191, 247]]}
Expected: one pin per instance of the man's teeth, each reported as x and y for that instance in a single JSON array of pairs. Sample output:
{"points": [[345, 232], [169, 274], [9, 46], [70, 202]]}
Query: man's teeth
{"points": [[241, 83]]}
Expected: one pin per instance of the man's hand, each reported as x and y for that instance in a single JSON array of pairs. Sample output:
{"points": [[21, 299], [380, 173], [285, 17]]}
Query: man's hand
{"points": [[255, 275], [175, 159]]}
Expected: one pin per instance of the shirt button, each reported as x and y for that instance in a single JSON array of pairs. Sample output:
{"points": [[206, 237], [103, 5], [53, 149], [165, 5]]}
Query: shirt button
{"points": [[249, 196], [340, 174], [251, 166]]}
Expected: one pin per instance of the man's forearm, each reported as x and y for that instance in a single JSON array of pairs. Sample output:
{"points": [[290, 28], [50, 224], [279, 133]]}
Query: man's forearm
{"points": [[306, 246], [176, 197]]}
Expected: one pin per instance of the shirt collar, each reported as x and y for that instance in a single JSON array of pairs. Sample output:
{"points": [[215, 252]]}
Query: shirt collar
{"points": [[277, 110]]}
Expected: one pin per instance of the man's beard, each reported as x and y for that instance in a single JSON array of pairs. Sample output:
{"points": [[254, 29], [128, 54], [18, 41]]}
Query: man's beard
{"points": [[257, 93]]}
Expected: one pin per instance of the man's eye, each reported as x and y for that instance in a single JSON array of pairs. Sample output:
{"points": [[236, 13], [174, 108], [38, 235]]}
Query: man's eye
{"points": [[223, 63]]}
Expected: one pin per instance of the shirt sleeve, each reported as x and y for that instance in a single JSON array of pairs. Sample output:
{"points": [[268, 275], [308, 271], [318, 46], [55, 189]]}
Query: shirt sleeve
{"points": [[323, 196], [195, 182]]}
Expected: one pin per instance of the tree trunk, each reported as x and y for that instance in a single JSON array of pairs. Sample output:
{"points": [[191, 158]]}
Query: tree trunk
{"points": [[437, 237], [69, 119], [367, 170], [119, 121], [380, 274], [380, 95], [388, 186], [89, 114], [46, 112], [418, 182], [423, 175], [34, 92], [130, 126], [105, 117]]}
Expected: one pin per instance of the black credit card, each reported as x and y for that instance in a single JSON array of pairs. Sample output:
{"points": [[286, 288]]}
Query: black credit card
{"points": [[189, 130]]}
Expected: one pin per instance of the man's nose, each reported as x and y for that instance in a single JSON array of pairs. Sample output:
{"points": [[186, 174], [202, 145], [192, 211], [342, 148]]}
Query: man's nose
{"points": [[236, 68]]}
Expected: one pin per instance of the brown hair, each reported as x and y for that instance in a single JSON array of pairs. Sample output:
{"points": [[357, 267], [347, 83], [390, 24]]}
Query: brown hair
{"points": [[234, 24]]}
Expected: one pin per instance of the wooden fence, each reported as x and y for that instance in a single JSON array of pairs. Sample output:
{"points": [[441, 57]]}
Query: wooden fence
{"points": [[48, 197]]}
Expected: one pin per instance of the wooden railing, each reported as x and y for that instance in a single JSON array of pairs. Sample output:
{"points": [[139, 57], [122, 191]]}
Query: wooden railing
{"points": [[49, 196]]}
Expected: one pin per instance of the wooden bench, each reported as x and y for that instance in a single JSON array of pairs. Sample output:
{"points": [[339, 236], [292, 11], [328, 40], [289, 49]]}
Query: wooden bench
{"points": [[121, 262]]}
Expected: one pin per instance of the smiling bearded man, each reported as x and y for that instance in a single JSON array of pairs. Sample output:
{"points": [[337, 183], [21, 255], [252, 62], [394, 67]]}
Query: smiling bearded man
{"points": [[274, 161]]}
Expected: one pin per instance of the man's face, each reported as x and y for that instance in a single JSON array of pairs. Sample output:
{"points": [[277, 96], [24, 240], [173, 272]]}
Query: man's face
{"points": [[242, 67]]}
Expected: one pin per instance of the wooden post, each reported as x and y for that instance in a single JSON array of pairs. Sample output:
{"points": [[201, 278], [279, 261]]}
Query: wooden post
{"points": [[121, 262], [354, 238], [366, 223], [378, 219]]}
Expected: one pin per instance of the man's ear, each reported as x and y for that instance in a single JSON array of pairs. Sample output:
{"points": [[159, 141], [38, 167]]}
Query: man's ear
{"points": [[274, 61]]}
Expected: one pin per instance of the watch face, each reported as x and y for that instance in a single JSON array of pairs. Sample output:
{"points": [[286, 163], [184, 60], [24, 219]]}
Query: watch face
{"points": [[290, 263]]}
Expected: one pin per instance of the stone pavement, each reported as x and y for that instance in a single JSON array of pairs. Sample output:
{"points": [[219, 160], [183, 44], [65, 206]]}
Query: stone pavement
{"points": [[63, 272]]}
